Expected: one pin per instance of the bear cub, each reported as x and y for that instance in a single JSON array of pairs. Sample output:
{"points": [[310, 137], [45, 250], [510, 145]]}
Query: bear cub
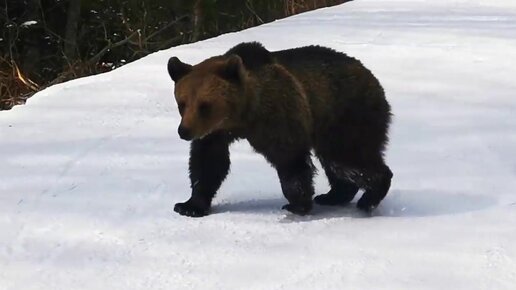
{"points": [[286, 104]]}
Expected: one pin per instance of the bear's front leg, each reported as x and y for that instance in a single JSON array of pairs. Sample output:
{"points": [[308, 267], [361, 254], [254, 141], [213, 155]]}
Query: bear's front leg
{"points": [[209, 166], [296, 178]]}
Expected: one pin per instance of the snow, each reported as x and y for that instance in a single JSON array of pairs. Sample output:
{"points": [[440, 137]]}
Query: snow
{"points": [[28, 23], [91, 170]]}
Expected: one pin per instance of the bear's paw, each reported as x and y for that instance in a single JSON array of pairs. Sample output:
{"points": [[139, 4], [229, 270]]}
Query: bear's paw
{"points": [[191, 210], [298, 209]]}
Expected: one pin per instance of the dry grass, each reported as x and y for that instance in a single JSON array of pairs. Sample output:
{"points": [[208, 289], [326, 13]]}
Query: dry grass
{"points": [[15, 86]]}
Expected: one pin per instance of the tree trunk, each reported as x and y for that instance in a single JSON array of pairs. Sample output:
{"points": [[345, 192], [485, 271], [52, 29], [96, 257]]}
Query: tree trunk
{"points": [[72, 25], [31, 53], [198, 18]]}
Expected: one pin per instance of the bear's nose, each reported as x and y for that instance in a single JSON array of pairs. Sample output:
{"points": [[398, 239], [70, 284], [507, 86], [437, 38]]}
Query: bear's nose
{"points": [[184, 133]]}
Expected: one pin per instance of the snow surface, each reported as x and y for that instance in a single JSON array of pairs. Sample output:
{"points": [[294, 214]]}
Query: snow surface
{"points": [[92, 168], [29, 23]]}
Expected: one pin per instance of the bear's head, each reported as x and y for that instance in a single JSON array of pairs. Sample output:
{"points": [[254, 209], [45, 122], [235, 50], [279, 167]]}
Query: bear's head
{"points": [[208, 94]]}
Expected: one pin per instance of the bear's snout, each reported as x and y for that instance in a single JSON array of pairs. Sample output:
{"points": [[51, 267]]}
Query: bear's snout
{"points": [[184, 133]]}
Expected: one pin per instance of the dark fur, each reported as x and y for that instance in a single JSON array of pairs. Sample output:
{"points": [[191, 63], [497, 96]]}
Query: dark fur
{"points": [[298, 100]]}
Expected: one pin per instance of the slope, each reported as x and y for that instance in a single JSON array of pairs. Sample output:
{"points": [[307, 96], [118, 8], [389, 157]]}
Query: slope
{"points": [[91, 169]]}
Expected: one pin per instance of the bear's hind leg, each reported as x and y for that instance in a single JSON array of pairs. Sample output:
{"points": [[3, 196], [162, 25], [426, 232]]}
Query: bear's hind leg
{"points": [[376, 184], [296, 178], [342, 190]]}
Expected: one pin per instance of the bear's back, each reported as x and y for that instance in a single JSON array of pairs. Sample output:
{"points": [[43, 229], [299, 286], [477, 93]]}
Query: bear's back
{"points": [[329, 78], [313, 55], [253, 55]]}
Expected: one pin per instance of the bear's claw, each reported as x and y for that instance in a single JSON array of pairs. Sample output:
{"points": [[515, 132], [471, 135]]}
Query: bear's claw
{"points": [[332, 199], [366, 204], [187, 209], [297, 209]]}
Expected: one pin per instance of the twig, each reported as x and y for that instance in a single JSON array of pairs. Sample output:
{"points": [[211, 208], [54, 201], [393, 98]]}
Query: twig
{"points": [[249, 7], [32, 85], [165, 27], [111, 45]]}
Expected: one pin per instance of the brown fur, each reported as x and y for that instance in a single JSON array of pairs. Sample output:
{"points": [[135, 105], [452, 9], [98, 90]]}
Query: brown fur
{"points": [[285, 104]]}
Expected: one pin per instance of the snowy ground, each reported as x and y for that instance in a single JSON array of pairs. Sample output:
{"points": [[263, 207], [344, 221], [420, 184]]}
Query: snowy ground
{"points": [[91, 169]]}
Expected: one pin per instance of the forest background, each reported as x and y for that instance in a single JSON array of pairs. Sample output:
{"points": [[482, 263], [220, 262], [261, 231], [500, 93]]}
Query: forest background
{"points": [[44, 42]]}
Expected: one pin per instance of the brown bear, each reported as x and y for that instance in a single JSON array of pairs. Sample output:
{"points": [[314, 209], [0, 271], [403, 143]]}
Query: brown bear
{"points": [[286, 104]]}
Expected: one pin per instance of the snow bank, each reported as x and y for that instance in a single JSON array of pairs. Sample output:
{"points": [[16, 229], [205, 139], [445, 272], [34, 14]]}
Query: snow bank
{"points": [[91, 169]]}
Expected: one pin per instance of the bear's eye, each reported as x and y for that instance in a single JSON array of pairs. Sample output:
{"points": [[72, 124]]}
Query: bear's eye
{"points": [[181, 108], [204, 110]]}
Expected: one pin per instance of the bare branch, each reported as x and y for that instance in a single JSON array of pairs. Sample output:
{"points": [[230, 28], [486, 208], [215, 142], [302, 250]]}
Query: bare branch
{"points": [[111, 45], [250, 8], [165, 27]]}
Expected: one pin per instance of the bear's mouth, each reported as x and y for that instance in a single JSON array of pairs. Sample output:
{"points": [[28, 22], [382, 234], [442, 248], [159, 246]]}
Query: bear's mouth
{"points": [[213, 129]]}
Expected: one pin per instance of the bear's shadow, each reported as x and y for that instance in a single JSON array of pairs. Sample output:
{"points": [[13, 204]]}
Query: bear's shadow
{"points": [[399, 203]]}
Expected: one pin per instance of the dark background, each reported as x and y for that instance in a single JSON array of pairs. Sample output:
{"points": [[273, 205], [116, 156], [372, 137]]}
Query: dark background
{"points": [[74, 38]]}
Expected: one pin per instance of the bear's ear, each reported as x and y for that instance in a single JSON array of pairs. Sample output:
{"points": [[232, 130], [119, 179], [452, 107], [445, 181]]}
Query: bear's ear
{"points": [[233, 69], [177, 69]]}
